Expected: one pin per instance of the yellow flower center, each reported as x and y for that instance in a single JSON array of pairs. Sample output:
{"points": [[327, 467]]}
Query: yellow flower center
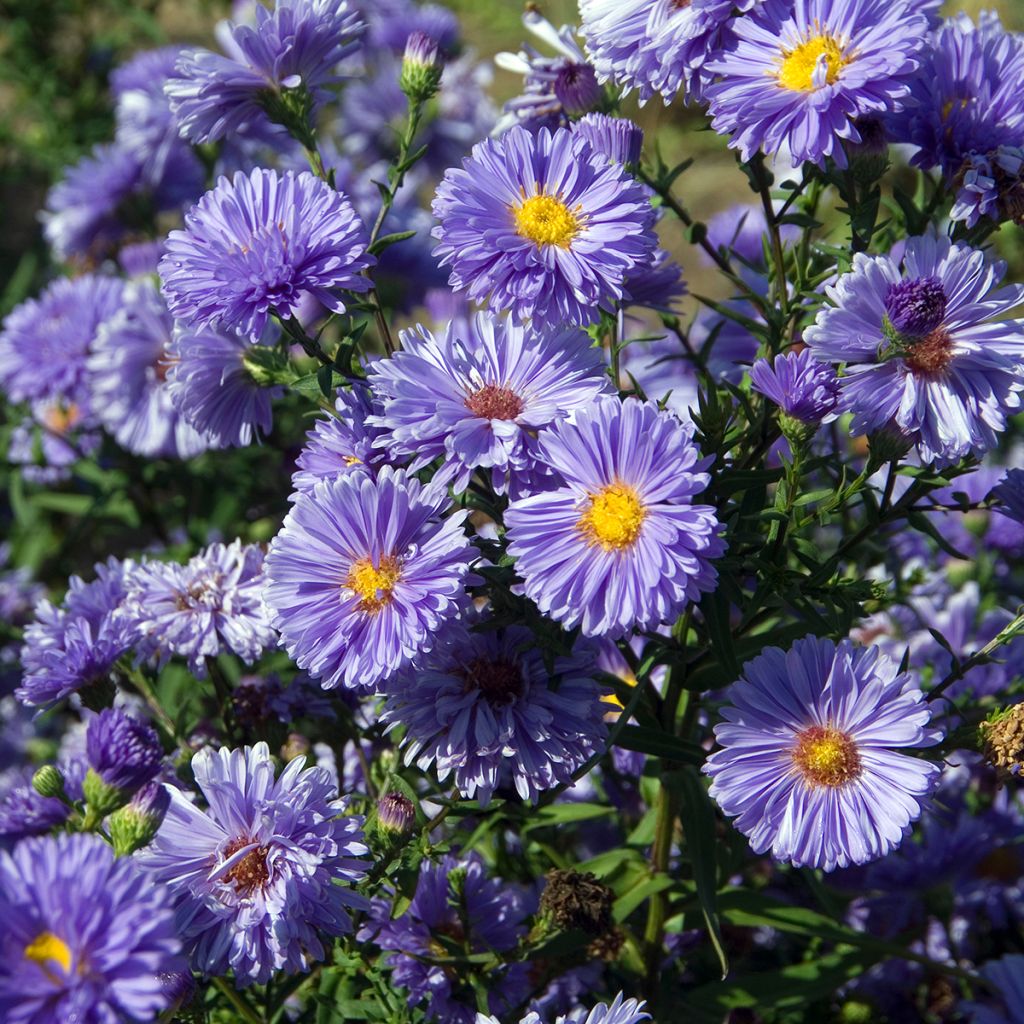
{"points": [[60, 418], [46, 949], [613, 518], [796, 72], [826, 756], [373, 584], [546, 220]]}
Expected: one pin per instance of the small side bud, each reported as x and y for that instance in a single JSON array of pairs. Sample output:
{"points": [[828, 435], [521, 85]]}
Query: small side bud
{"points": [[48, 781], [422, 67], [395, 814], [101, 798], [135, 824]]}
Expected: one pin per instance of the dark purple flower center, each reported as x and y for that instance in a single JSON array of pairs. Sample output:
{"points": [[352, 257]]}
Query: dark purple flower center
{"points": [[577, 89], [916, 307], [931, 355], [499, 681], [251, 872], [494, 402]]}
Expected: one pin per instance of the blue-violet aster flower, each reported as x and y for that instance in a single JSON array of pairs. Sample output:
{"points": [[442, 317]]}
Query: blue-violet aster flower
{"points": [[256, 245], [477, 397], [1010, 494], [265, 875], [801, 386], [85, 935], [925, 344], [454, 899], [1006, 977], [542, 225], [617, 138], [621, 544], [619, 1011], [363, 573], [991, 185], [798, 74], [296, 46], [482, 706], [807, 766], [123, 751]]}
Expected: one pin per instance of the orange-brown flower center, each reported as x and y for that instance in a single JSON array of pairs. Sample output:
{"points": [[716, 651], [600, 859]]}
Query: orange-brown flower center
{"points": [[826, 756], [931, 355], [251, 872], [494, 402]]}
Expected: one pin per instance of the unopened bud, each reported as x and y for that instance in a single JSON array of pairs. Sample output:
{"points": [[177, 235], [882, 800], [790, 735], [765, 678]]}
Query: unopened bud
{"points": [[395, 813], [48, 781], [102, 798], [135, 824], [422, 67]]}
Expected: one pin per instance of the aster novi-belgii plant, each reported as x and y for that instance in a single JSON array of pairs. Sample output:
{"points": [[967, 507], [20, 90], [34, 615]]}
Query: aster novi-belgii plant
{"points": [[256, 245], [807, 764], [926, 345], [621, 545], [85, 935], [476, 396], [363, 573], [260, 880], [543, 226], [619, 1011]]}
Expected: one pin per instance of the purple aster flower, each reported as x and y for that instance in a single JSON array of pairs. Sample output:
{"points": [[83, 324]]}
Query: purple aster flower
{"points": [[259, 880], [802, 387], [128, 371], [620, 544], [391, 25], [53, 439], [85, 935], [212, 387], [363, 573], [807, 765], [947, 370], [298, 45], [616, 138], [619, 1011], [966, 97], [342, 443], [114, 193], [197, 610], [554, 88], [480, 707], [1006, 977], [55, 331], [455, 900], [257, 245], [656, 286], [542, 225], [1010, 494], [124, 752], [144, 123], [657, 46], [24, 812], [799, 74], [477, 398], [991, 185]]}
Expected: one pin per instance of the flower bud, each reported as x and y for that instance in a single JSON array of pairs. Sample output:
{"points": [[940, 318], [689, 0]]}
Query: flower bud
{"points": [[102, 798], [421, 68], [135, 825], [295, 746], [48, 781], [395, 814]]}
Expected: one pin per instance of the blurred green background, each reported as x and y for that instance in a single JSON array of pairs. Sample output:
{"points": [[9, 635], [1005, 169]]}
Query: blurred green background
{"points": [[56, 56]]}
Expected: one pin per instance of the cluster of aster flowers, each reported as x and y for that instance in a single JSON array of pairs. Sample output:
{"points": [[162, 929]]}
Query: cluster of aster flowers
{"points": [[481, 627]]}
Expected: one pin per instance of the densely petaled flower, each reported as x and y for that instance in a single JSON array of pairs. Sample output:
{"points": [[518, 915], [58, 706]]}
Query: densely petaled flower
{"points": [[616, 138], [477, 395], [342, 443], [619, 1011], [492, 921], [966, 97], [363, 573], [196, 610], [113, 192], [128, 371], [144, 123], [297, 45], [657, 46], [85, 936], [1010, 494], [1006, 977], [213, 389], [24, 812], [257, 245], [480, 707], [992, 186], [123, 751], [799, 385], [798, 73], [55, 331], [262, 877], [807, 765], [542, 225], [621, 544], [925, 345]]}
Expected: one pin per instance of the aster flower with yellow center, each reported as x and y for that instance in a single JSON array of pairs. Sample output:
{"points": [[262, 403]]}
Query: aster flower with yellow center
{"points": [[544, 226], [809, 764], [798, 74], [621, 544], [363, 574]]}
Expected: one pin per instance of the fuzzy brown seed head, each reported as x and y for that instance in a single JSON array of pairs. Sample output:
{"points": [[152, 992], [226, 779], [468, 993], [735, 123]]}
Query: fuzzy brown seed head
{"points": [[1003, 741], [578, 900]]}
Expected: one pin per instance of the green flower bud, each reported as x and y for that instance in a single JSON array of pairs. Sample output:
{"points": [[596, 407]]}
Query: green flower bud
{"points": [[48, 781], [101, 798], [421, 68]]}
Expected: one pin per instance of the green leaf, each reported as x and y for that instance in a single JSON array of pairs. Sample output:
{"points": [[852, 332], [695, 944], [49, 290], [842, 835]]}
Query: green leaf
{"points": [[698, 818], [659, 744], [557, 814], [388, 240]]}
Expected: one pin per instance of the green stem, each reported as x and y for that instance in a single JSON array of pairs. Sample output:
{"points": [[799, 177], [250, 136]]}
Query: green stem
{"points": [[238, 1001], [779, 277], [145, 690]]}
